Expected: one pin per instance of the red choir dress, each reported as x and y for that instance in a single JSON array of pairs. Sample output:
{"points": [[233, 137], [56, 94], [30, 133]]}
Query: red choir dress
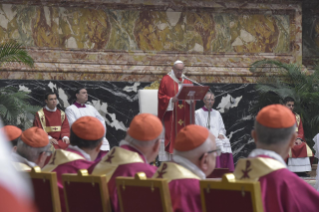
{"points": [[177, 118], [55, 123]]}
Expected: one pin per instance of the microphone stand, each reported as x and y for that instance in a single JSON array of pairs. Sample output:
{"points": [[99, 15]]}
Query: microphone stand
{"points": [[193, 81]]}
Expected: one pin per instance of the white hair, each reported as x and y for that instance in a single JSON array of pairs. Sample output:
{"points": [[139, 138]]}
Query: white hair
{"points": [[139, 143], [208, 93], [196, 153], [30, 153]]}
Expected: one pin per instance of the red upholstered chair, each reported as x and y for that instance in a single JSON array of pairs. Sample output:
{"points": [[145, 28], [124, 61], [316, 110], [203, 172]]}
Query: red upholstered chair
{"points": [[84, 192], [219, 172], [143, 195], [229, 194], [45, 189]]}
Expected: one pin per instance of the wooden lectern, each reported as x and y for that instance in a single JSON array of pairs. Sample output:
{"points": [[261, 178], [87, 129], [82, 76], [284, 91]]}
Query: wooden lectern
{"points": [[192, 93]]}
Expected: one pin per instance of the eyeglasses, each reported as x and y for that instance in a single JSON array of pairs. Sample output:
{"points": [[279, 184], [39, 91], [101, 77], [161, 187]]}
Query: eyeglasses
{"points": [[48, 153], [218, 152]]}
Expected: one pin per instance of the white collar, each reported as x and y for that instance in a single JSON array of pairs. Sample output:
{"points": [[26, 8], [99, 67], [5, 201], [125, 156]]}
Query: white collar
{"points": [[48, 109], [269, 153], [172, 75], [124, 142], [19, 158], [189, 165], [76, 148]]}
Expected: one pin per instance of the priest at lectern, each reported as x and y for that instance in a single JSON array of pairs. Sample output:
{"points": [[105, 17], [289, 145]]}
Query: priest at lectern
{"points": [[174, 114]]}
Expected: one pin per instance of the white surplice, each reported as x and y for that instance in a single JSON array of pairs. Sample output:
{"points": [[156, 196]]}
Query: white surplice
{"points": [[73, 113], [216, 127]]}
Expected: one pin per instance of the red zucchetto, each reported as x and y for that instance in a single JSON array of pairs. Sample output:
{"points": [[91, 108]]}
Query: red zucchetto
{"points": [[35, 137], [190, 137], [12, 132], [88, 128], [145, 127], [276, 116]]}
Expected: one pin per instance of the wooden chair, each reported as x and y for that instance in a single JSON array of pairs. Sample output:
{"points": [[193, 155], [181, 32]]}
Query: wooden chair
{"points": [[45, 187], [84, 192], [219, 172], [142, 194], [230, 194]]}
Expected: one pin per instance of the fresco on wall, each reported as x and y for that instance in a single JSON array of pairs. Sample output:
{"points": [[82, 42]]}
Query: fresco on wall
{"points": [[199, 32], [310, 35]]}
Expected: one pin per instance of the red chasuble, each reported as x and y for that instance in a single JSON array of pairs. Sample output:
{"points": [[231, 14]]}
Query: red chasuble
{"points": [[183, 185], [55, 124], [123, 161], [282, 190], [174, 120], [302, 150], [66, 162]]}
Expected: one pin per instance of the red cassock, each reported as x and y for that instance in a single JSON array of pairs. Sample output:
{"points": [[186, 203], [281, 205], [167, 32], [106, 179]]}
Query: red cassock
{"points": [[127, 168], [76, 162], [53, 125], [174, 120]]}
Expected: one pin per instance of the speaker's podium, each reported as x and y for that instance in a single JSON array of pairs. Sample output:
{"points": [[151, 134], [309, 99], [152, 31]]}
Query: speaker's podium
{"points": [[191, 93]]}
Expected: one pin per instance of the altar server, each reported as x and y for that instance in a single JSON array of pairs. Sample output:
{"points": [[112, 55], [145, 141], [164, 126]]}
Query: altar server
{"points": [[298, 161], [213, 121], [79, 109], [54, 122], [85, 141], [136, 151], [274, 134], [194, 158]]}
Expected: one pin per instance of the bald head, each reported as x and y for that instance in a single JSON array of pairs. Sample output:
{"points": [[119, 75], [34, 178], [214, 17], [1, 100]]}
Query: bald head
{"points": [[200, 156]]}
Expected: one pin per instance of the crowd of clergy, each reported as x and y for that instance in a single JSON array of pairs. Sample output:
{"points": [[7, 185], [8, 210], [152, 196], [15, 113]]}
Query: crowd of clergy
{"points": [[65, 142]]}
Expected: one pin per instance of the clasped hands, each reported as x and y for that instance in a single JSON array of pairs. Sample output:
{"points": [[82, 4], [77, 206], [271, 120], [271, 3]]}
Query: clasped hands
{"points": [[54, 141], [298, 141]]}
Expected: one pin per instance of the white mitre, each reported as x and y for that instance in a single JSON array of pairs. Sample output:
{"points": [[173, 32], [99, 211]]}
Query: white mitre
{"points": [[178, 62]]}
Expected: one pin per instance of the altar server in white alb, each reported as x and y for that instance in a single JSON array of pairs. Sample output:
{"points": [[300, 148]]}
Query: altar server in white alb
{"points": [[211, 119], [79, 109]]}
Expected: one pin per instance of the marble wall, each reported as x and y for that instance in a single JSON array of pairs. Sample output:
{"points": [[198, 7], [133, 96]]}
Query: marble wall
{"points": [[118, 104], [139, 40]]}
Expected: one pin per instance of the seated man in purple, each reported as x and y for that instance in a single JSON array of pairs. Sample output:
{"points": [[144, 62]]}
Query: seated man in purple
{"points": [[86, 138], [136, 151], [194, 158], [274, 134]]}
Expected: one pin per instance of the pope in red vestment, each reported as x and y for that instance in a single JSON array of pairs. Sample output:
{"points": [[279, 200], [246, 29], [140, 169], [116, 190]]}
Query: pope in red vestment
{"points": [[192, 161], [84, 131], [54, 122], [173, 113], [130, 158], [281, 189]]}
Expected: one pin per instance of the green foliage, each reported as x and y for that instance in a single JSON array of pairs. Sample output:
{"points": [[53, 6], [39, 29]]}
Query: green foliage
{"points": [[290, 81], [14, 104], [11, 51]]}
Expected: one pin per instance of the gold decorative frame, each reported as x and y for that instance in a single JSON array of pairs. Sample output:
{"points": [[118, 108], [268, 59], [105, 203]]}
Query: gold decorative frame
{"points": [[229, 182], [140, 180], [83, 177], [36, 173]]}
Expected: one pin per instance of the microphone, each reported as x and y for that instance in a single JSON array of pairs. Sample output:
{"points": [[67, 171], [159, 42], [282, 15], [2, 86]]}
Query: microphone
{"points": [[193, 81]]}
